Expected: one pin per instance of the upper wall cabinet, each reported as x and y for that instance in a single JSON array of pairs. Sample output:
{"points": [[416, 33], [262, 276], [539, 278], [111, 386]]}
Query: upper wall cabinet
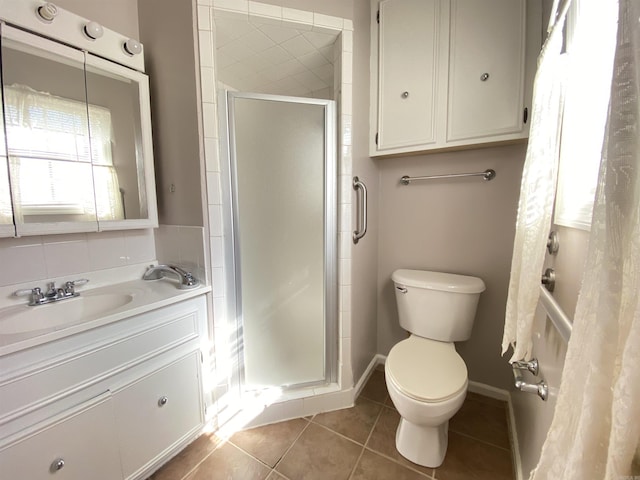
{"points": [[78, 152], [451, 73]]}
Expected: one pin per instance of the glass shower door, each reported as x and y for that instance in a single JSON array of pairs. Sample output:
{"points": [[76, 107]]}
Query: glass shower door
{"points": [[284, 204]]}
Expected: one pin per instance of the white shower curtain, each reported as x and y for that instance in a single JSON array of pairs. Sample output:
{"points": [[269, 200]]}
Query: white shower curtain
{"points": [[595, 432], [537, 193]]}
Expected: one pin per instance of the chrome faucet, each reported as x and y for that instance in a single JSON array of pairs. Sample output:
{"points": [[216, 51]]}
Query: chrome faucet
{"points": [[52, 294], [187, 280]]}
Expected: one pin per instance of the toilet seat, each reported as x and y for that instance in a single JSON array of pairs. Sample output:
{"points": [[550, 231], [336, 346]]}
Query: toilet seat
{"points": [[426, 370]]}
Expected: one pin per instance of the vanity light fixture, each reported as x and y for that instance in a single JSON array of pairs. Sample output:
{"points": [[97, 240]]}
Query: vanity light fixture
{"points": [[47, 12], [132, 47], [93, 30]]}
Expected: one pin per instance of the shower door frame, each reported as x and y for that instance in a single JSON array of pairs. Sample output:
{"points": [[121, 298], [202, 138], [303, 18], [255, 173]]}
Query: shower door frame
{"points": [[232, 247]]}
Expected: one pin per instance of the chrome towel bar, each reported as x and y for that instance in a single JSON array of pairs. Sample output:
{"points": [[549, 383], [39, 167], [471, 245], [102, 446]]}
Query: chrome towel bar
{"points": [[486, 175], [361, 230]]}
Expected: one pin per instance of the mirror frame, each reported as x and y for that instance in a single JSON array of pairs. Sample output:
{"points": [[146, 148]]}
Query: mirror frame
{"points": [[142, 81], [87, 59]]}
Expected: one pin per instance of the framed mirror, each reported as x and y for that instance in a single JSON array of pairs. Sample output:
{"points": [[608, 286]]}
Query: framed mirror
{"points": [[78, 139], [120, 131]]}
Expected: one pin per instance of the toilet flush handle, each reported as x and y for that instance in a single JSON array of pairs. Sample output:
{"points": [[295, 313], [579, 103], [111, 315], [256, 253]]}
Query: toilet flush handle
{"points": [[401, 289]]}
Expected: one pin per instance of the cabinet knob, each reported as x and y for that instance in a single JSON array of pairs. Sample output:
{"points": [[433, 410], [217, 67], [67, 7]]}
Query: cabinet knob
{"points": [[162, 401], [484, 77], [57, 464], [405, 94]]}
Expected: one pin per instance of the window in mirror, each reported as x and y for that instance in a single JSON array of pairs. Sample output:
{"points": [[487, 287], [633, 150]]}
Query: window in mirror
{"points": [[6, 212], [47, 135]]}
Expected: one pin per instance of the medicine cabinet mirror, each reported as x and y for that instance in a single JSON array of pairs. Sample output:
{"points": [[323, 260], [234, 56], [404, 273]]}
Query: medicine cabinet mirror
{"points": [[77, 152]]}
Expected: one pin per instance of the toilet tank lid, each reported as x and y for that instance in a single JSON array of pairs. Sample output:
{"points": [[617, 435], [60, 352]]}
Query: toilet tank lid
{"points": [[446, 282]]}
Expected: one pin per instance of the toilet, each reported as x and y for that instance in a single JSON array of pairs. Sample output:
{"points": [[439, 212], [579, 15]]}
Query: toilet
{"points": [[426, 378]]}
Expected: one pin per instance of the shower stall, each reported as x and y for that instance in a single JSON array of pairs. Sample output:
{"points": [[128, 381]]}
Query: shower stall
{"points": [[281, 238]]}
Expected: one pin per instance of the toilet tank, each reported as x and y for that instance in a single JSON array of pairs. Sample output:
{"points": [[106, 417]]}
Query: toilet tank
{"points": [[436, 305]]}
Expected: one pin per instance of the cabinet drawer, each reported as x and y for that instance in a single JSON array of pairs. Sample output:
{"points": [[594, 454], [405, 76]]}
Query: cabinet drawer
{"points": [[83, 439], [157, 412], [34, 389]]}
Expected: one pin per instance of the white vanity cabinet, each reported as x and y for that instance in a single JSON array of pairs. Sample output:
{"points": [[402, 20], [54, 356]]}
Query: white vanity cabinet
{"points": [[113, 402], [78, 445], [451, 73], [156, 410]]}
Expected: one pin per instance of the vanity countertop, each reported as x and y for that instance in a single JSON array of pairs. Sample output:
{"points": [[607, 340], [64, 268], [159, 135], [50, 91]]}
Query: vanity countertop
{"points": [[23, 326]]}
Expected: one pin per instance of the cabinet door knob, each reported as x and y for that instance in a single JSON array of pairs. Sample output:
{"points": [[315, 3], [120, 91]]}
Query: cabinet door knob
{"points": [[162, 401], [484, 77], [405, 94], [57, 464]]}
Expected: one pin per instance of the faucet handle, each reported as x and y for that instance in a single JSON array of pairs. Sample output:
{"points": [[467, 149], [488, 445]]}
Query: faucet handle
{"points": [[36, 295], [27, 291], [70, 285]]}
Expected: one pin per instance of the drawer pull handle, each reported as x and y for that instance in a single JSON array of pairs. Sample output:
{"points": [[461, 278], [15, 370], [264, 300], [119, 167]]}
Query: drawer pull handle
{"points": [[162, 401], [57, 464]]}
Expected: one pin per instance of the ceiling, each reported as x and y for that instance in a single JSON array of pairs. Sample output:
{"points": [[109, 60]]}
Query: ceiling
{"points": [[271, 58]]}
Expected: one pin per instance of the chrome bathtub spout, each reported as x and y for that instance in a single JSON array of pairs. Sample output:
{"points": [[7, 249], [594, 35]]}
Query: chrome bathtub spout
{"points": [[187, 280]]}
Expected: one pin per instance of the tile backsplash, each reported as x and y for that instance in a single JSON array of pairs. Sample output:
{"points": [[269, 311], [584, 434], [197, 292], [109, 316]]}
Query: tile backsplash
{"points": [[184, 246], [29, 259]]}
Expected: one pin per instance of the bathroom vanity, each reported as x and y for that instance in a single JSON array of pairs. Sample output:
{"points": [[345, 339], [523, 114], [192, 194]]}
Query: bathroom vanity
{"points": [[111, 393]]}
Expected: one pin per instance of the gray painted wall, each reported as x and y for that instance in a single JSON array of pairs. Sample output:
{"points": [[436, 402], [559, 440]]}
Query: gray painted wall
{"points": [[463, 226], [118, 15], [167, 32]]}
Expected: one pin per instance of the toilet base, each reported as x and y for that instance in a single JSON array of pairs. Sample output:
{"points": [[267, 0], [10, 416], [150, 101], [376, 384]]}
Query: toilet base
{"points": [[422, 444]]}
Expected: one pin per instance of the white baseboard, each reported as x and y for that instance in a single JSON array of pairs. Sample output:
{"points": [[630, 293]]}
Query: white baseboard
{"points": [[489, 391], [375, 361]]}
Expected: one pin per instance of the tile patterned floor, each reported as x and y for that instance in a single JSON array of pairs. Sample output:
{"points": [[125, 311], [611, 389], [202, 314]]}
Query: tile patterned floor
{"points": [[352, 444]]}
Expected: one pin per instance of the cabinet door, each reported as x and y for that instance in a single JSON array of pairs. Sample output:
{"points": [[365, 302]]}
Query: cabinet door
{"points": [[157, 412], [79, 445], [486, 69], [410, 38]]}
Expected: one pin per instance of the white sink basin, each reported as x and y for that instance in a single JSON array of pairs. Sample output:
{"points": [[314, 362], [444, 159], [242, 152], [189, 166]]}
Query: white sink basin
{"points": [[23, 319]]}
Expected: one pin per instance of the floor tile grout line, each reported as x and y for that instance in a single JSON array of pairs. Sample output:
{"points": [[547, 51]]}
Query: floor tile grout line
{"points": [[355, 466], [408, 467], [221, 444], [387, 457], [250, 455], [291, 446], [373, 427], [339, 434], [471, 437]]}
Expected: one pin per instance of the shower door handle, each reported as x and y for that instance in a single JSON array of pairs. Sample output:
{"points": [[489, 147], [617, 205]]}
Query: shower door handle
{"points": [[361, 229]]}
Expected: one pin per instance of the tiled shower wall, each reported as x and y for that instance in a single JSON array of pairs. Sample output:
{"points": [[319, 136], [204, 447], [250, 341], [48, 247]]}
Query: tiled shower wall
{"points": [[312, 400]]}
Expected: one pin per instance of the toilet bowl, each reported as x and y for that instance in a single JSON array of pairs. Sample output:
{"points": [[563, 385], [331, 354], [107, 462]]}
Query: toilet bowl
{"points": [[427, 383], [426, 378]]}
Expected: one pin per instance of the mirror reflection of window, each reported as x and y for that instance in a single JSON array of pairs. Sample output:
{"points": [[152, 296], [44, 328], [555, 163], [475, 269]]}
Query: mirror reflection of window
{"points": [[6, 211], [47, 128], [51, 153]]}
